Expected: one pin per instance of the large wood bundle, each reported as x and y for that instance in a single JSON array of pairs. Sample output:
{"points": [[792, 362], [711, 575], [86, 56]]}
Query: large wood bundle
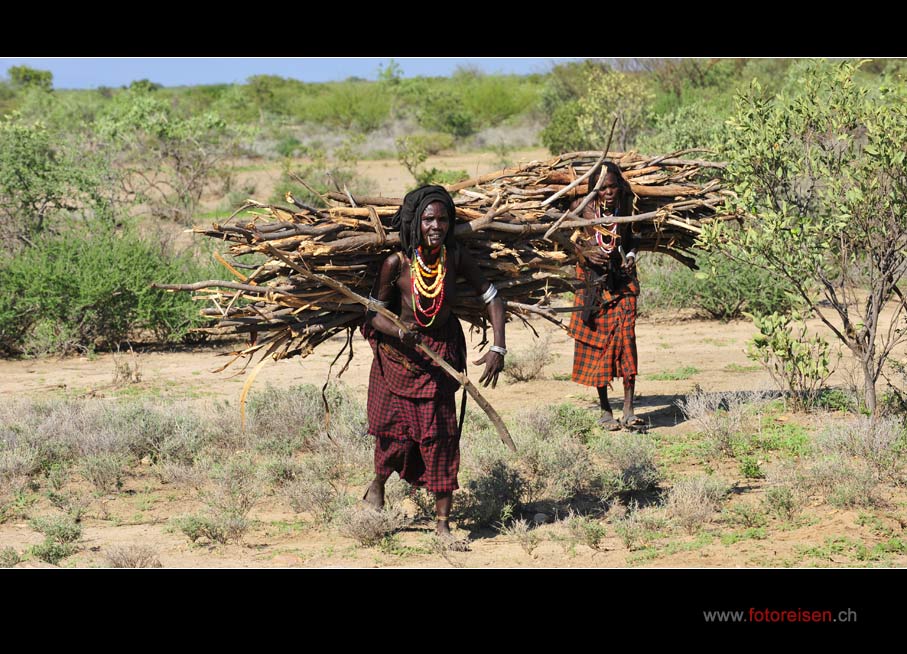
{"points": [[319, 264]]}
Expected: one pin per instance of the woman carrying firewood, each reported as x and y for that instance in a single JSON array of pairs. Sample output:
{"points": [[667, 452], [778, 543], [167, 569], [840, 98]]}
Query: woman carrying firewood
{"points": [[605, 330], [411, 406]]}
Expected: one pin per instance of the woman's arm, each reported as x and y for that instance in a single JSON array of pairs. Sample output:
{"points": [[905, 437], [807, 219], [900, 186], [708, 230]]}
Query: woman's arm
{"points": [[494, 358], [386, 288], [629, 241]]}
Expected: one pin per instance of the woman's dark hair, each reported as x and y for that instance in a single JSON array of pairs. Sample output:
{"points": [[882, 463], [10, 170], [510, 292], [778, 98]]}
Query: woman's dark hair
{"points": [[408, 218], [624, 195]]}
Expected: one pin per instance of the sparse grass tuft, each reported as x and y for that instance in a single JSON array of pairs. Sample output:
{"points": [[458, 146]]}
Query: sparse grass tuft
{"points": [[638, 527], [693, 501], [132, 556], [844, 482], [555, 466], [9, 557], [522, 366], [880, 442], [73, 503], [631, 460], [192, 475], [523, 533], [720, 416], [369, 527], [681, 374], [104, 471], [746, 515], [233, 494], [59, 529], [587, 531]]}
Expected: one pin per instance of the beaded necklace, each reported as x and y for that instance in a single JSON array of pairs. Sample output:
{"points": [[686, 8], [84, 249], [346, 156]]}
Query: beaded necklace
{"points": [[428, 281], [606, 235]]}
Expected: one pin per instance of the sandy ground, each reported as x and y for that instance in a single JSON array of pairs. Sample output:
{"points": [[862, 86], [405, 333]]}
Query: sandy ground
{"points": [[141, 511]]}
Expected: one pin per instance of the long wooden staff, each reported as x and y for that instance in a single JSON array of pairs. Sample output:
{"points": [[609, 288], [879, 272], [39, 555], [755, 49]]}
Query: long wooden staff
{"points": [[434, 356]]}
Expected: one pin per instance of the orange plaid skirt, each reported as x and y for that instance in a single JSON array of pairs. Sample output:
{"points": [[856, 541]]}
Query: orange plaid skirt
{"points": [[605, 347]]}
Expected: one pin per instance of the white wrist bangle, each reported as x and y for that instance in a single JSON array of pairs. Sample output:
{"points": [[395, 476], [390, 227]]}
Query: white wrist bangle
{"points": [[400, 333], [500, 350], [489, 294], [631, 254]]}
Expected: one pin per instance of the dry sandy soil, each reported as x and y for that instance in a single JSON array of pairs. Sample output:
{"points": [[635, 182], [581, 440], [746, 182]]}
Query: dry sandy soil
{"points": [[714, 352]]}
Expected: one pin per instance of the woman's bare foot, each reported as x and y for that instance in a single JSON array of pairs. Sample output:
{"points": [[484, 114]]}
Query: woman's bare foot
{"points": [[374, 494], [608, 422]]}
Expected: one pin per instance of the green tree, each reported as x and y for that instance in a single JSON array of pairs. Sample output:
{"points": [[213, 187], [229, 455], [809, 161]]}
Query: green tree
{"points": [[166, 160], [566, 83], [440, 109], [611, 94], [689, 127], [821, 171], [144, 86], [261, 88], [391, 74], [42, 177], [24, 77], [676, 75], [562, 134]]}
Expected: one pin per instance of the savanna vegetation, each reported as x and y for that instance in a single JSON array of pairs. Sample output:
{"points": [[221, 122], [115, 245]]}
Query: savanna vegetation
{"points": [[94, 185]]}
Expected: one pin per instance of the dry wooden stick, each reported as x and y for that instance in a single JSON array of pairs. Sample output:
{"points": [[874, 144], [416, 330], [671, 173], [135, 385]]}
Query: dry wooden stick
{"points": [[576, 182]]}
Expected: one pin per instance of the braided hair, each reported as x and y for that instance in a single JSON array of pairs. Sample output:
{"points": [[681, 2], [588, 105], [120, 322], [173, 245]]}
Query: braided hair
{"points": [[624, 194], [408, 219]]}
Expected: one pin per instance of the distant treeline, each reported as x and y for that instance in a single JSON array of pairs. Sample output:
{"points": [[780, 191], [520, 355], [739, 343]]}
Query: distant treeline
{"points": [[661, 103]]}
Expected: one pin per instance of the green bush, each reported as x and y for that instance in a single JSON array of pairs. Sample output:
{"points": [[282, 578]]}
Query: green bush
{"points": [[91, 289], [562, 134], [51, 552], [798, 364], [721, 289], [698, 125], [351, 104], [438, 109], [9, 557], [487, 493], [289, 146], [167, 160], [492, 99], [42, 178], [442, 177], [57, 529], [750, 468]]}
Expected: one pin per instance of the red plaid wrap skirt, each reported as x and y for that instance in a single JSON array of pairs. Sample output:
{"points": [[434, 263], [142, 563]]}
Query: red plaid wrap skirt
{"points": [[605, 347], [412, 407]]}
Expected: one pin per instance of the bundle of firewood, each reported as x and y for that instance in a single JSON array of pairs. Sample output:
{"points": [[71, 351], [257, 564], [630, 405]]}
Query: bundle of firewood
{"points": [[319, 263]]}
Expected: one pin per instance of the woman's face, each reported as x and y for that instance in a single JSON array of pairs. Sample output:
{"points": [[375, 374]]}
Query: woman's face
{"points": [[434, 224], [609, 191]]}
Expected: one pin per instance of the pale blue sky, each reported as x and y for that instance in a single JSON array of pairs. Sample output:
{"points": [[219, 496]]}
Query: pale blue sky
{"points": [[89, 73]]}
